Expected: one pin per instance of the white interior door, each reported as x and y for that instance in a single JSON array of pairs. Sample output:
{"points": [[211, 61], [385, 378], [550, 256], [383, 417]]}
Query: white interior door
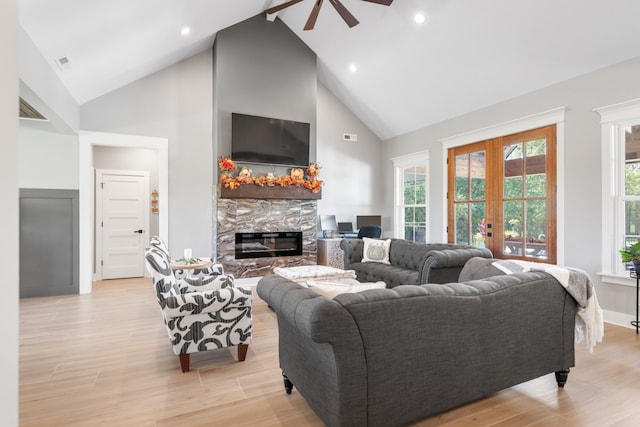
{"points": [[123, 222]]}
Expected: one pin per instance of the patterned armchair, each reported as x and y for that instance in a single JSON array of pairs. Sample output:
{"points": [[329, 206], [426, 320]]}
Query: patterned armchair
{"points": [[202, 311]]}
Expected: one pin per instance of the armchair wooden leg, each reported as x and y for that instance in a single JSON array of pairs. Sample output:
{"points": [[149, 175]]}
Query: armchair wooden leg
{"points": [[184, 362], [242, 352]]}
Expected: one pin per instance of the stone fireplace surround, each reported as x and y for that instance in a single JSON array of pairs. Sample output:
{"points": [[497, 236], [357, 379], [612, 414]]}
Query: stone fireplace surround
{"points": [[244, 215]]}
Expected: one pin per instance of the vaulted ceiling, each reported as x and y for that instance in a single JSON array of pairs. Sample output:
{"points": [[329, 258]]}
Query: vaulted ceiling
{"points": [[466, 55]]}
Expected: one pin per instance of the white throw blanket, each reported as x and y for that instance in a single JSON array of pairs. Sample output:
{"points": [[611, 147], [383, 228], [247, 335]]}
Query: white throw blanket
{"points": [[589, 319], [303, 273]]}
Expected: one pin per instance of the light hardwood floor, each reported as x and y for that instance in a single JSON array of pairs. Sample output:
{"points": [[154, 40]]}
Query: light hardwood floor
{"points": [[104, 359]]}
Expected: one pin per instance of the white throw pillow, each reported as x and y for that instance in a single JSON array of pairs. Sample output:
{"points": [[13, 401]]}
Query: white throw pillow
{"points": [[376, 250], [331, 289]]}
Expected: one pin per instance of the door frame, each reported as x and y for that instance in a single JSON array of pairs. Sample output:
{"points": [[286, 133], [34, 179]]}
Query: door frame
{"points": [[99, 213], [555, 116], [87, 191]]}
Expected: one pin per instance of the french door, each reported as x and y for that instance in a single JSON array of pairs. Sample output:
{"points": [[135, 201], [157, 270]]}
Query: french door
{"points": [[502, 195]]}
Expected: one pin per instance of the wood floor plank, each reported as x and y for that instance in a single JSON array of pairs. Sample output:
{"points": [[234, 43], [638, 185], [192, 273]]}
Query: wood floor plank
{"points": [[104, 359]]}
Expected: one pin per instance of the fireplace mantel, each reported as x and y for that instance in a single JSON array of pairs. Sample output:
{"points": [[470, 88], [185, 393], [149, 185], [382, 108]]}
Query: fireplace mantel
{"points": [[251, 191]]}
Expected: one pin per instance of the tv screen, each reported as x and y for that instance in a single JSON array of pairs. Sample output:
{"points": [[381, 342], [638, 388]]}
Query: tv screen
{"points": [[270, 141]]}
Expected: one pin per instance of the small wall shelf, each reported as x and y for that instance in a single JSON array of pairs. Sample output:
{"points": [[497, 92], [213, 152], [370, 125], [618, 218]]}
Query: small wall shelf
{"points": [[252, 191]]}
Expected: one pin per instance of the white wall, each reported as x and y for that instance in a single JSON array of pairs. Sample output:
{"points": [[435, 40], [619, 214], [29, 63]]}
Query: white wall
{"points": [[352, 171], [174, 103], [41, 87], [582, 166], [10, 223], [48, 159]]}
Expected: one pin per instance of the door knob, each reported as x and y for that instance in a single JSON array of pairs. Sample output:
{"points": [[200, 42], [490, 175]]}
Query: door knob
{"points": [[138, 231]]}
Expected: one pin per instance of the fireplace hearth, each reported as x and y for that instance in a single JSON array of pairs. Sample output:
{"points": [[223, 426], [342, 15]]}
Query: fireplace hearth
{"points": [[270, 244]]}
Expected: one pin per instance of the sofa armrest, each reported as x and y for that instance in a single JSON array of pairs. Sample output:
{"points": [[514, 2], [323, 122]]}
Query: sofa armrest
{"points": [[353, 250], [191, 303], [452, 259]]}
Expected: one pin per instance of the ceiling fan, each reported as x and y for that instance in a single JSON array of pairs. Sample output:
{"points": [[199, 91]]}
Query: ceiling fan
{"points": [[349, 19]]}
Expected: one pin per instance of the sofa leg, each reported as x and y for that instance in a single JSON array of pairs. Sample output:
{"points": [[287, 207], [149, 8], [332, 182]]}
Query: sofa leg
{"points": [[561, 377], [242, 352], [184, 362], [288, 385]]}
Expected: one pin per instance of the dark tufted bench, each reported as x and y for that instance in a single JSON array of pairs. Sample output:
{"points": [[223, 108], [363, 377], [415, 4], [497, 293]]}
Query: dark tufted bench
{"points": [[411, 263]]}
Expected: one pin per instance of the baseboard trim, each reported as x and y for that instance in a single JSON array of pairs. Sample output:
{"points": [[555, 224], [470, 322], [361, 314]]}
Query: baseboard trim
{"points": [[619, 319]]}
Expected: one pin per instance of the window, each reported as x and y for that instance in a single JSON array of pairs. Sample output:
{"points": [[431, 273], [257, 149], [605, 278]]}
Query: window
{"points": [[410, 219], [621, 185]]}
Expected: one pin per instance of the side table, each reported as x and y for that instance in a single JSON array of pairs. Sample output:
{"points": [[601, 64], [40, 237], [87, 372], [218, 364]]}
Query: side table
{"points": [[330, 253], [179, 265], [634, 275]]}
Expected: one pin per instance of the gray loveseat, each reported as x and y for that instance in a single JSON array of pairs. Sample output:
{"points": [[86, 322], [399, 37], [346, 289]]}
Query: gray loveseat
{"points": [[411, 263], [387, 357]]}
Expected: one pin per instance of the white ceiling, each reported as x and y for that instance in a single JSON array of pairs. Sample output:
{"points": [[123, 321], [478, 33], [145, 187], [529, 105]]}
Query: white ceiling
{"points": [[467, 55]]}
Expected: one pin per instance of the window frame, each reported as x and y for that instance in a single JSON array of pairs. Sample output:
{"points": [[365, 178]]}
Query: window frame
{"points": [[613, 119], [419, 159]]}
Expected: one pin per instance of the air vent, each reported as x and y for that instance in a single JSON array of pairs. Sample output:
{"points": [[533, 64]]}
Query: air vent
{"points": [[63, 63], [28, 112]]}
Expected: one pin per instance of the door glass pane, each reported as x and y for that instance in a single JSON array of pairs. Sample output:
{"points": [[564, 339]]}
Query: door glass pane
{"points": [[536, 185], [478, 215], [462, 177], [535, 168], [535, 229], [513, 171], [478, 175], [462, 223], [513, 241]]}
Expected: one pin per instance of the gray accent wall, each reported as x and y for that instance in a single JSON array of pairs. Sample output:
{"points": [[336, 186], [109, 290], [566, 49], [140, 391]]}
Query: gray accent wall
{"points": [[263, 69], [49, 254], [582, 165]]}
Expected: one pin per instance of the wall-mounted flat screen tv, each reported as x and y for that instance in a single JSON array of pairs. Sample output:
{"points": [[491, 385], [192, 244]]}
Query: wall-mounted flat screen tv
{"points": [[269, 141]]}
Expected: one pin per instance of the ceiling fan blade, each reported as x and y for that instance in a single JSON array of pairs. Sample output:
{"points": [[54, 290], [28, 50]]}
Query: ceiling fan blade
{"points": [[384, 2], [346, 15], [279, 7], [311, 22]]}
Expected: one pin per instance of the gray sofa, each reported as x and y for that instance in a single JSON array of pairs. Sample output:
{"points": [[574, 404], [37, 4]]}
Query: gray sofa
{"points": [[387, 357], [411, 263]]}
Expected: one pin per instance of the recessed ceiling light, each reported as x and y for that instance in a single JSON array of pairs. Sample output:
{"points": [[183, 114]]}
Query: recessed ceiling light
{"points": [[185, 31], [419, 18], [353, 68]]}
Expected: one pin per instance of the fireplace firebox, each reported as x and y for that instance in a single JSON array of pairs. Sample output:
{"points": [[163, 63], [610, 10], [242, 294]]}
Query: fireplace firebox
{"points": [[270, 244]]}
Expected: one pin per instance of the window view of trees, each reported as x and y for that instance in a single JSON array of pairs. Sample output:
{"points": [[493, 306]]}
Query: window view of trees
{"points": [[414, 201]]}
